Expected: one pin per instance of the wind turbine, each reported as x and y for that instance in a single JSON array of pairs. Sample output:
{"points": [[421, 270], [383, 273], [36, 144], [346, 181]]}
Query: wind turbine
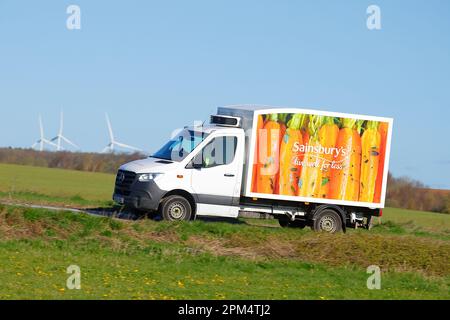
{"points": [[60, 137], [42, 141], [112, 142]]}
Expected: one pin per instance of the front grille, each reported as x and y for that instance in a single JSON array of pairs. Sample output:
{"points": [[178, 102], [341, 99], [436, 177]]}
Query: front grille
{"points": [[124, 181]]}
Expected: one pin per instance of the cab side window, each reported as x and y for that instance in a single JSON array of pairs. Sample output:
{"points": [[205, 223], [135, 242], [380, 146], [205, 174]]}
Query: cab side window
{"points": [[218, 152]]}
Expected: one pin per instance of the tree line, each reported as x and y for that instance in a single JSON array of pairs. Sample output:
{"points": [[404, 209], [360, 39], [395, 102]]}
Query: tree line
{"points": [[92, 162], [402, 192]]}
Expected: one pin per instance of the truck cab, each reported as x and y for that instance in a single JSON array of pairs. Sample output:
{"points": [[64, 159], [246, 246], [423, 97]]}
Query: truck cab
{"points": [[198, 172]]}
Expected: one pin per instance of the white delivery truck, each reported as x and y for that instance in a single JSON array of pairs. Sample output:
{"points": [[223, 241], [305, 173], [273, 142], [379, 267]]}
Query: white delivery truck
{"points": [[304, 167]]}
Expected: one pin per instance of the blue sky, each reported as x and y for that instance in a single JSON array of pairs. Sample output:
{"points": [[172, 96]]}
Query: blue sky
{"points": [[156, 66]]}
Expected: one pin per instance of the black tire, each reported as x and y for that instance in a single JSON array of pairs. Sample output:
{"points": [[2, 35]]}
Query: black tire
{"points": [[286, 223], [176, 208], [328, 221]]}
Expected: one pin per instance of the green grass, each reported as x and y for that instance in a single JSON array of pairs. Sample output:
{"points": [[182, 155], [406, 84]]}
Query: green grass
{"points": [[55, 186], [201, 260], [428, 221], [249, 259], [159, 273]]}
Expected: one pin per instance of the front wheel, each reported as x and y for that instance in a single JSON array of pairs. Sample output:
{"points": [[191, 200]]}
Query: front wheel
{"points": [[176, 208], [328, 221]]}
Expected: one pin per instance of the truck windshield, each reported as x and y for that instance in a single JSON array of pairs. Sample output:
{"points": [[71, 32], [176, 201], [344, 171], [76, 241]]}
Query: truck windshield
{"points": [[181, 145]]}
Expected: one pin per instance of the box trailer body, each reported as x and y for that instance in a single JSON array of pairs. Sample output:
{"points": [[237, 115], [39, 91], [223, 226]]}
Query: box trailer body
{"points": [[301, 166]]}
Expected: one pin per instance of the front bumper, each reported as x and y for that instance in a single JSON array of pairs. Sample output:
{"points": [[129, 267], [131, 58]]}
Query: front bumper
{"points": [[138, 195]]}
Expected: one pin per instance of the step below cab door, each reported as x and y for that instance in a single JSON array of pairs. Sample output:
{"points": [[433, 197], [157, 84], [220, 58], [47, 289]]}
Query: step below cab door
{"points": [[216, 175]]}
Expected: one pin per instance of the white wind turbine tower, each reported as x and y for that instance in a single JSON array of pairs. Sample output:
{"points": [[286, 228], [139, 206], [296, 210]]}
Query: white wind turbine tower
{"points": [[60, 137], [42, 141], [110, 147]]}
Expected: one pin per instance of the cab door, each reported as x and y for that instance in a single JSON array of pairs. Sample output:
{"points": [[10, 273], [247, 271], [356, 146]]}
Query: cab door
{"points": [[216, 175]]}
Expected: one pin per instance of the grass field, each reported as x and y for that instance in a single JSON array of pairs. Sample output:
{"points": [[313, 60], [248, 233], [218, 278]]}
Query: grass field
{"points": [[55, 186], [248, 259], [426, 220]]}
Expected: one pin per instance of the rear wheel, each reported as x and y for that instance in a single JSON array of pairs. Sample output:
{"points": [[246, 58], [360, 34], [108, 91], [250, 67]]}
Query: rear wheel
{"points": [[328, 221], [176, 208]]}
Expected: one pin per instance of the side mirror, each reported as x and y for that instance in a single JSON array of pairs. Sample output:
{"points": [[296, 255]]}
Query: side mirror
{"points": [[197, 165]]}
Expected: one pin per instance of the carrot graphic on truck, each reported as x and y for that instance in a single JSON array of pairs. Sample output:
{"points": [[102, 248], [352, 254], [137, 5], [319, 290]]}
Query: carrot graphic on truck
{"points": [[328, 135], [383, 130], [259, 127], [371, 143], [290, 158], [316, 172], [269, 154], [345, 176]]}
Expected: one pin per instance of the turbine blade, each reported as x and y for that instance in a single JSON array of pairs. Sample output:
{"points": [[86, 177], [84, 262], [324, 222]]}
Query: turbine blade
{"points": [[61, 123], [111, 134], [123, 145], [49, 143], [69, 142], [41, 127], [38, 142], [107, 149]]}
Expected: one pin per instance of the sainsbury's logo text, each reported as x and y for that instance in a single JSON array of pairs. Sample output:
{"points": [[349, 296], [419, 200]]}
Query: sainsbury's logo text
{"points": [[319, 149]]}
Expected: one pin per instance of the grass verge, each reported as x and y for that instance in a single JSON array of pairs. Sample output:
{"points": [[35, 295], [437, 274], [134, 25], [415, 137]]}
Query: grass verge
{"points": [[201, 260]]}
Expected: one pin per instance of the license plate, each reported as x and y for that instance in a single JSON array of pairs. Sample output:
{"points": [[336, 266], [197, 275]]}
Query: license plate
{"points": [[119, 199]]}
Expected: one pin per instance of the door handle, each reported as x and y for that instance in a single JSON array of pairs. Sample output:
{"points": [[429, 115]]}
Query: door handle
{"points": [[229, 175]]}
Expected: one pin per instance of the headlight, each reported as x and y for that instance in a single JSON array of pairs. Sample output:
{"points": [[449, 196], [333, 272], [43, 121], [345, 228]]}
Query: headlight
{"points": [[148, 176]]}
